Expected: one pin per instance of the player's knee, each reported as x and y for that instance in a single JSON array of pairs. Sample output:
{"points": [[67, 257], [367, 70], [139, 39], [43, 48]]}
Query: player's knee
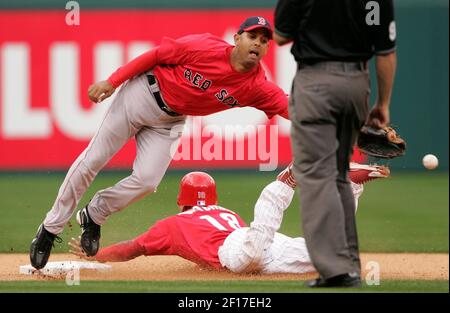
{"points": [[256, 257], [253, 263], [94, 164], [146, 185], [148, 188], [253, 256]]}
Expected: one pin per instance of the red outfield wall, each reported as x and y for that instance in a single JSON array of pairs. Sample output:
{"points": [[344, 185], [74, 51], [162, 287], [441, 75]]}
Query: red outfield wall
{"points": [[46, 66]]}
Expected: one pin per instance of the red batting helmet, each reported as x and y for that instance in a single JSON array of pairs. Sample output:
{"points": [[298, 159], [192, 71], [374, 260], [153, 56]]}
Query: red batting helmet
{"points": [[197, 188]]}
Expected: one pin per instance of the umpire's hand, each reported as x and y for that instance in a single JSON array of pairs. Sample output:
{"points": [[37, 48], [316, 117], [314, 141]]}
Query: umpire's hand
{"points": [[100, 91]]}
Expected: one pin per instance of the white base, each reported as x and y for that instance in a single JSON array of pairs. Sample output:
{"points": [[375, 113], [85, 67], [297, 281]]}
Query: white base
{"points": [[63, 267]]}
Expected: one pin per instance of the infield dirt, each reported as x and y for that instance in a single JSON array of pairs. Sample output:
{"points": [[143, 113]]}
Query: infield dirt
{"points": [[408, 266]]}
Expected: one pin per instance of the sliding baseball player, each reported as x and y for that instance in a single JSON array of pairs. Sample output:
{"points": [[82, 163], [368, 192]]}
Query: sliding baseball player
{"points": [[215, 237]]}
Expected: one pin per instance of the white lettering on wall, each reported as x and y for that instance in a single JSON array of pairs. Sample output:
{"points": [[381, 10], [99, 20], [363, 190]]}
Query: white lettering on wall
{"points": [[65, 111], [108, 56], [19, 119], [235, 117], [285, 67], [75, 121], [136, 48]]}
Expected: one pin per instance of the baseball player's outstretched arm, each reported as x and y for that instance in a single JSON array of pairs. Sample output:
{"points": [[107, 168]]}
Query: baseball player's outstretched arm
{"points": [[138, 65], [119, 252], [105, 88]]}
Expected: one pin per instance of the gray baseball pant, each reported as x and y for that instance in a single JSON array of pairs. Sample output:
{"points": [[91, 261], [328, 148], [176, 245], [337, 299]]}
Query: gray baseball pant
{"points": [[329, 103], [134, 112]]}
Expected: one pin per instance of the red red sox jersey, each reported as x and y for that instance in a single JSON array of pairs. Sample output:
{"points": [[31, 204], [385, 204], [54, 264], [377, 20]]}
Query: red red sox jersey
{"points": [[196, 77], [195, 234]]}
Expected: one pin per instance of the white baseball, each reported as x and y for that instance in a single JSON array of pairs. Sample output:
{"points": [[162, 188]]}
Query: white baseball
{"points": [[430, 161]]}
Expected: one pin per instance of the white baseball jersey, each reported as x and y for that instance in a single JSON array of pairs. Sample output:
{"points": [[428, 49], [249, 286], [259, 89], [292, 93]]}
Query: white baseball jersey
{"points": [[260, 248]]}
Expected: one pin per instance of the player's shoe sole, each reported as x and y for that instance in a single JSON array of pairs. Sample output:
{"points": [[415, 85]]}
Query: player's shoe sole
{"points": [[41, 246], [349, 280], [90, 236], [362, 173]]}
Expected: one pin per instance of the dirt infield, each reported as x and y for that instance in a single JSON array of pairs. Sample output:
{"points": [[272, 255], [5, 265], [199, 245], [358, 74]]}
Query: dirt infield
{"points": [[407, 266]]}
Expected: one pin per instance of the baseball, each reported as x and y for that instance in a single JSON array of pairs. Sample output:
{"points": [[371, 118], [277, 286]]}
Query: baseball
{"points": [[430, 161]]}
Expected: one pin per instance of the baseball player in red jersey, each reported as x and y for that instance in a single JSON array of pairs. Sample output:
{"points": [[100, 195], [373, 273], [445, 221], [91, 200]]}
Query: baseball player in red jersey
{"points": [[215, 237], [193, 75]]}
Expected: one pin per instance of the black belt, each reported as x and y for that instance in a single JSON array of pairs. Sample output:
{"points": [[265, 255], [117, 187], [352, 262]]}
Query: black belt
{"points": [[335, 65], [152, 81]]}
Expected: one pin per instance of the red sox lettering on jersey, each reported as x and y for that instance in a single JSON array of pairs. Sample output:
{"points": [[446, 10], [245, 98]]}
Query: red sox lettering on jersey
{"points": [[228, 100], [199, 81]]}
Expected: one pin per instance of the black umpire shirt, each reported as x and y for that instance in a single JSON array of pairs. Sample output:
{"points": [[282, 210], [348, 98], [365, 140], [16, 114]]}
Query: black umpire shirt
{"points": [[336, 30]]}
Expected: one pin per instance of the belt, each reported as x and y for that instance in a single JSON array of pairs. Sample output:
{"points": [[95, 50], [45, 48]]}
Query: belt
{"points": [[162, 105], [335, 65]]}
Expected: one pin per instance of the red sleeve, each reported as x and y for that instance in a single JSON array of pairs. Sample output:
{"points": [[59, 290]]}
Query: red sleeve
{"points": [[284, 113], [120, 252], [157, 240], [138, 65], [272, 100], [182, 50]]}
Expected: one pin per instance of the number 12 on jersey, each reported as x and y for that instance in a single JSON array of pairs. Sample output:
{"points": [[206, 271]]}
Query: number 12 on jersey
{"points": [[230, 219]]}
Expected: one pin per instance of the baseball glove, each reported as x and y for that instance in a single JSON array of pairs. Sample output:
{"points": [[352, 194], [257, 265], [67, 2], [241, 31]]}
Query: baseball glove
{"points": [[382, 143]]}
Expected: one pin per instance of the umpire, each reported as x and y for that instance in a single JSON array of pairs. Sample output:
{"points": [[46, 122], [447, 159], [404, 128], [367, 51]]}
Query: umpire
{"points": [[333, 40]]}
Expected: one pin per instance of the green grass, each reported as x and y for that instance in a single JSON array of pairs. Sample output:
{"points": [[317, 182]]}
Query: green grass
{"points": [[405, 213], [216, 286]]}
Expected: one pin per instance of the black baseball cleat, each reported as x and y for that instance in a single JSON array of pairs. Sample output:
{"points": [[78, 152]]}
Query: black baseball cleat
{"points": [[344, 280], [90, 237], [41, 246]]}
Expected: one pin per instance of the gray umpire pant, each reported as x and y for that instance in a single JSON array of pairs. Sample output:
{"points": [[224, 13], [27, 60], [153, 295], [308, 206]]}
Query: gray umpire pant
{"points": [[328, 105]]}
